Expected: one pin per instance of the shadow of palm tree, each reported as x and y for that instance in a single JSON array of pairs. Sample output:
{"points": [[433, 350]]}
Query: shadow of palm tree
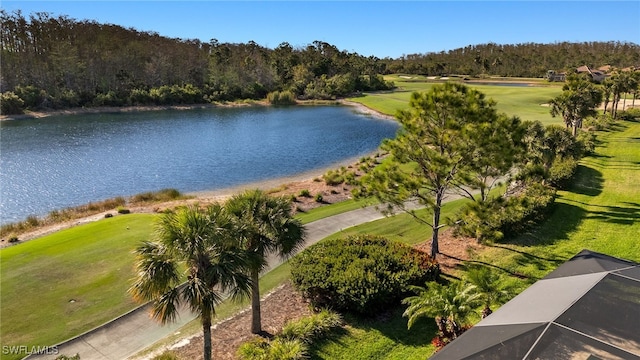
{"points": [[391, 324], [587, 181]]}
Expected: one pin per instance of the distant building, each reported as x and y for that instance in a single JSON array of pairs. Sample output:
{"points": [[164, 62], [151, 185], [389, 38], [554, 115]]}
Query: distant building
{"points": [[596, 75], [554, 76]]}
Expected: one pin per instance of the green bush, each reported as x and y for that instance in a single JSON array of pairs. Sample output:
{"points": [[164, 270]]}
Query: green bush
{"points": [[281, 98], [587, 141], [311, 328], [277, 349], [292, 342], [632, 114], [305, 193], [360, 274], [122, 210], [561, 172], [32, 96], [505, 218], [11, 104], [167, 355], [333, 178], [160, 195], [319, 198]]}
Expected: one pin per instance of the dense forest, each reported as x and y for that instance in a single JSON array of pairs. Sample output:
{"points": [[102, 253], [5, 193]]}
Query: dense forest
{"points": [[60, 62]]}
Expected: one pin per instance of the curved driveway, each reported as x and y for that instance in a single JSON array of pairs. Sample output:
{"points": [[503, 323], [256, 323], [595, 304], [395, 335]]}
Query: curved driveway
{"points": [[135, 331]]}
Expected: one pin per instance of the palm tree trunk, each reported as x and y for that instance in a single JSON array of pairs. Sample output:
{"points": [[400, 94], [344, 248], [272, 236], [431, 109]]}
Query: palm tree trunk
{"points": [[256, 321], [206, 332]]}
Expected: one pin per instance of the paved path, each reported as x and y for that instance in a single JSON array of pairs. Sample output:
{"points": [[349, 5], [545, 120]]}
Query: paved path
{"points": [[135, 331]]}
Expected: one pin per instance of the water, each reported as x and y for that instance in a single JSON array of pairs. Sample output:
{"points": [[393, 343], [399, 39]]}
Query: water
{"points": [[64, 161]]}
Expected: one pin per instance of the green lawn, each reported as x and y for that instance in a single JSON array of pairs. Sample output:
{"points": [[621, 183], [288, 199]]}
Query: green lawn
{"points": [[61, 285], [525, 102]]}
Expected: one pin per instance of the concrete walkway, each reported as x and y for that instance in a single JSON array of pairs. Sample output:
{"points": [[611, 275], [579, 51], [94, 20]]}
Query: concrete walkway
{"points": [[135, 331]]}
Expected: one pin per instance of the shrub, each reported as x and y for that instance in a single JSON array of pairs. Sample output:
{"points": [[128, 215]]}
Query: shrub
{"points": [[311, 328], [333, 178], [319, 198], [160, 195], [13, 239], [281, 98], [167, 355], [561, 172], [277, 349], [587, 141], [11, 104], [503, 218], [360, 274], [32, 96], [110, 98], [632, 114], [122, 210], [305, 193]]}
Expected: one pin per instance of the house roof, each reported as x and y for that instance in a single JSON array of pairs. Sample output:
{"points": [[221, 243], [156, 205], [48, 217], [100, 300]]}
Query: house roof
{"points": [[588, 308]]}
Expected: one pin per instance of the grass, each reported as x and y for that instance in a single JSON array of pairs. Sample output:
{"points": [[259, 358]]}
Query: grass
{"points": [[61, 285], [524, 102]]}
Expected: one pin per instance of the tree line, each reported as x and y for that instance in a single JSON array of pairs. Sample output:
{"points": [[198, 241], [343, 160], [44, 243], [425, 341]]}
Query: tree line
{"points": [[519, 60], [60, 62]]}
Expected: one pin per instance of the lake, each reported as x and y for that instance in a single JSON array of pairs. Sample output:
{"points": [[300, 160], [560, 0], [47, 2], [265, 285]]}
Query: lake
{"points": [[64, 161]]}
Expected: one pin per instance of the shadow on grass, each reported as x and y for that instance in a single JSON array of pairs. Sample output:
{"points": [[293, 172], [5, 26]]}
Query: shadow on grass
{"points": [[587, 181], [391, 325], [464, 264]]}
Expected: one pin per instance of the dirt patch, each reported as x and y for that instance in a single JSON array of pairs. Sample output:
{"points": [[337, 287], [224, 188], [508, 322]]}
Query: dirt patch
{"points": [[278, 307]]}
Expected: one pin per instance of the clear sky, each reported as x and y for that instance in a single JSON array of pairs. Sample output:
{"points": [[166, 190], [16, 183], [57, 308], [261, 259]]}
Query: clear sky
{"points": [[379, 28]]}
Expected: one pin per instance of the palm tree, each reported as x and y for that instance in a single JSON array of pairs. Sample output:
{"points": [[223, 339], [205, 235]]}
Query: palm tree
{"points": [[199, 241], [489, 286], [578, 100], [450, 305], [264, 226]]}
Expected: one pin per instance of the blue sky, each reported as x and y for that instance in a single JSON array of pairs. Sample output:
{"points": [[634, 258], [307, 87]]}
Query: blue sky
{"points": [[379, 28]]}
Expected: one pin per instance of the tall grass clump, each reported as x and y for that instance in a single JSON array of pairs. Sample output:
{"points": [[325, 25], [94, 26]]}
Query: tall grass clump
{"points": [[55, 216], [281, 98], [157, 196], [293, 342]]}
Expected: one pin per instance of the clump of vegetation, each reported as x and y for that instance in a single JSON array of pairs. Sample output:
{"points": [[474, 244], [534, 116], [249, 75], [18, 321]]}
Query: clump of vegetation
{"points": [[11, 104], [502, 217], [276, 349], [339, 176], [167, 355], [281, 98], [561, 172], [451, 306], [632, 114], [312, 327], [319, 198], [70, 213], [295, 338], [305, 193], [157, 196], [123, 210], [360, 274]]}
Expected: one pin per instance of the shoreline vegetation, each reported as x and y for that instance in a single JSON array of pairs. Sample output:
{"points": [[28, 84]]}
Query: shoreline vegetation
{"points": [[155, 202]]}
